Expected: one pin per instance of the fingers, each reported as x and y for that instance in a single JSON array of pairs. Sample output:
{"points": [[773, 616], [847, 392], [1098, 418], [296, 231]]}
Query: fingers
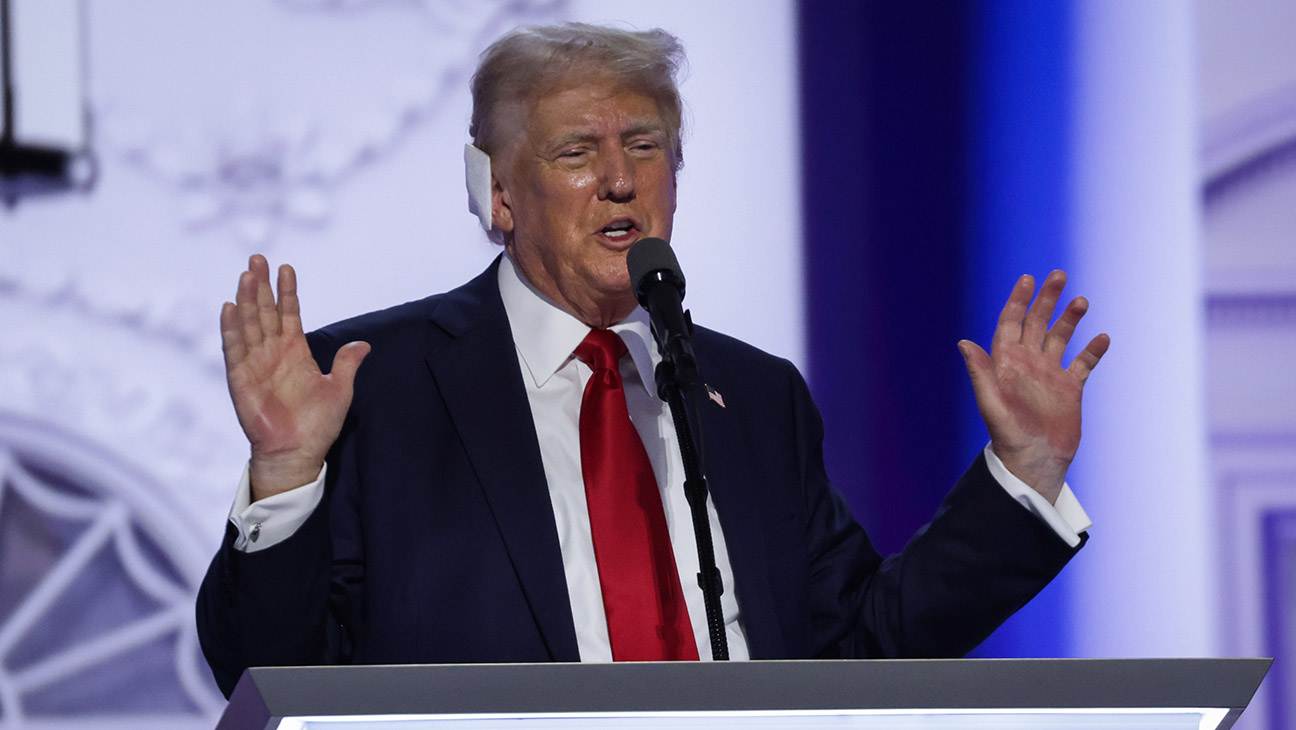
{"points": [[1029, 326], [248, 311], [1060, 334], [1087, 360], [257, 314], [231, 336], [1009, 327], [289, 306], [1037, 319], [267, 313]]}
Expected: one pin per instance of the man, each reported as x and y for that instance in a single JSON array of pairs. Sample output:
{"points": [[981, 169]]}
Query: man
{"points": [[462, 505]]}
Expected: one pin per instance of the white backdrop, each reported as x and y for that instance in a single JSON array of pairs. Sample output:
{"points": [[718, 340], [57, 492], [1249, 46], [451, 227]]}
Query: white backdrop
{"points": [[325, 133]]}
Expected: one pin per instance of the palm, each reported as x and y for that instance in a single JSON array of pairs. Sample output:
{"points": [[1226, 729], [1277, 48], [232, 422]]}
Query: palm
{"points": [[289, 411], [1030, 403]]}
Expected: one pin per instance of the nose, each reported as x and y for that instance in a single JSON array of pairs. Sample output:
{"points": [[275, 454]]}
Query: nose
{"points": [[616, 181]]}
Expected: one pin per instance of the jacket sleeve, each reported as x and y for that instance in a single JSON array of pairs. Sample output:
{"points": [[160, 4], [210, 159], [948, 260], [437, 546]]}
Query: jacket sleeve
{"points": [[982, 557], [288, 604], [266, 608]]}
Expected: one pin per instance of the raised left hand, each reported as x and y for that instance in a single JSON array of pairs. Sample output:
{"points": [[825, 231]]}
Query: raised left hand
{"points": [[1030, 403]]}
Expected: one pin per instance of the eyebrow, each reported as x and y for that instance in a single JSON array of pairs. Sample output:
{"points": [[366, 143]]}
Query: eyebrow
{"points": [[644, 127], [636, 127]]}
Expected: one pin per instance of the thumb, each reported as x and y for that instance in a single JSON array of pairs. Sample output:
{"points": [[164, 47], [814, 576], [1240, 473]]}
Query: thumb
{"points": [[347, 361], [977, 361], [980, 370]]}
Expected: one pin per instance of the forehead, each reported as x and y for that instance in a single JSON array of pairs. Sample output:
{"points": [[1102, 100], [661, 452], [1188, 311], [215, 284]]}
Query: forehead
{"points": [[593, 106]]}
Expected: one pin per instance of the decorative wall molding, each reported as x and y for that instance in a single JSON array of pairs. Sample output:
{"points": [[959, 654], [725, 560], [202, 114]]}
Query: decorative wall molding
{"points": [[182, 323], [1255, 482], [1278, 160], [88, 519], [1251, 310], [1248, 162], [1249, 138], [268, 163]]}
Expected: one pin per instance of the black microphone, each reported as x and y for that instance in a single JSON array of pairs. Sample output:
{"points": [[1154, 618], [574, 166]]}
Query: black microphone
{"points": [[659, 287]]}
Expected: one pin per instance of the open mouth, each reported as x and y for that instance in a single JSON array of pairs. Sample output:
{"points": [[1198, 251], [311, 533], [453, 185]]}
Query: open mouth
{"points": [[619, 230]]}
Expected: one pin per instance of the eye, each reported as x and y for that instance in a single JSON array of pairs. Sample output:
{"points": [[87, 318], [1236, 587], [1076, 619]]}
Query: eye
{"points": [[573, 157]]}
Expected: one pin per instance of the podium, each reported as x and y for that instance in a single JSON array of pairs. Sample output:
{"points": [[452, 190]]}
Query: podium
{"points": [[1076, 694]]}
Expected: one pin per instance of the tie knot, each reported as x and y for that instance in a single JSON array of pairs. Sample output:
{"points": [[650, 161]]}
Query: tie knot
{"points": [[601, 350]]}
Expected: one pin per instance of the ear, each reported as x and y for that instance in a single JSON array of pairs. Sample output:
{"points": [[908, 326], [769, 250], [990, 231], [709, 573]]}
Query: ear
{"points": [[501, 205]]}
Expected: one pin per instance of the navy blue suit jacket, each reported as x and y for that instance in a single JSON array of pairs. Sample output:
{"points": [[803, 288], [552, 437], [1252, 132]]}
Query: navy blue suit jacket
{"points": [[436, 540]]}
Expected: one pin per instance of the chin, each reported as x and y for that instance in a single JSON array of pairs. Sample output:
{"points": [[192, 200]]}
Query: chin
{"points": [[615, 278]]}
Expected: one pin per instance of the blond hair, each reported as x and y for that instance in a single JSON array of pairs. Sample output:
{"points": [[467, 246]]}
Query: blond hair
{"points": [[529, 62]]}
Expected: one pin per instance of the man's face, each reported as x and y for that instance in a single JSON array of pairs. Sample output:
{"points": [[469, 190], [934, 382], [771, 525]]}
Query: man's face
{"points": [[591, 174]]}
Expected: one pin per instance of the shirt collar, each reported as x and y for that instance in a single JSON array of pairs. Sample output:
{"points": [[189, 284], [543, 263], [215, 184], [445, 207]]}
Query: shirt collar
{"points": [[545, 334]]}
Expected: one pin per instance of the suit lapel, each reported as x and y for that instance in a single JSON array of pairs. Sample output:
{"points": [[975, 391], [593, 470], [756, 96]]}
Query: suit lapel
{"points": [[477, 373], [733, 489], [478, 377]]}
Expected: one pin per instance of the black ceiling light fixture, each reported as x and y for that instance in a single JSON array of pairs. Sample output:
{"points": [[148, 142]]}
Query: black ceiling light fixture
{"points": [[45, 140]]}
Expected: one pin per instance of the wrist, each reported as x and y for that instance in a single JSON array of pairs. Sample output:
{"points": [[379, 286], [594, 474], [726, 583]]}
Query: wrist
{"points": [[1045, 475], [272, 474]]}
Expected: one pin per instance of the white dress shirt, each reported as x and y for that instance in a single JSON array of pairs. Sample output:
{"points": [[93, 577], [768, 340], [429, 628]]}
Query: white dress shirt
{"points": [[545, 337]]}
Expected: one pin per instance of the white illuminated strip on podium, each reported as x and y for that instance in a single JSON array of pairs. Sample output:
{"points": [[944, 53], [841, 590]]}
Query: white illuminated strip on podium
{"points": [[1077, 694], [1075, 719]]}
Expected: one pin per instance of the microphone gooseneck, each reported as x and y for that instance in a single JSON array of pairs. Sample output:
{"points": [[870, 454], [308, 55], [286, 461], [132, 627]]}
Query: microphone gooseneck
{"points": [[659, 288]]}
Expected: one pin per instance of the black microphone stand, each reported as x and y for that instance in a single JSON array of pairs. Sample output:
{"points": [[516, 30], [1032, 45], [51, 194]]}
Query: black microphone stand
{"points": [[678, 387]]}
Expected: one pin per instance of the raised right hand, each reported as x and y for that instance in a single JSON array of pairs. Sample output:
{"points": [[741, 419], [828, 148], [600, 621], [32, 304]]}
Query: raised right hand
{"points": [[290, 411]]}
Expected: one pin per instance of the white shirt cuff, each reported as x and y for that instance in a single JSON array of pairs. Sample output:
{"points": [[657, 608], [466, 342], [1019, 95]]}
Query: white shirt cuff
{"points": [[268, 522], [1067, 518]]}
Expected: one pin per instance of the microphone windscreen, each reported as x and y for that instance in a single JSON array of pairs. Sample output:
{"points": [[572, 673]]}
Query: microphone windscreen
{"points": [[649, 255]]}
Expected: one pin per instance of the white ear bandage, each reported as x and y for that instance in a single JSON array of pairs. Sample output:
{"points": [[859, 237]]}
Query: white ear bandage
{"points": [[477, 176]]}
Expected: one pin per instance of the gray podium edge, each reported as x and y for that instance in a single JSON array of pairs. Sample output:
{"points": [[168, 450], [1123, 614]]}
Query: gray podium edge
{"points": [[267, 694]]}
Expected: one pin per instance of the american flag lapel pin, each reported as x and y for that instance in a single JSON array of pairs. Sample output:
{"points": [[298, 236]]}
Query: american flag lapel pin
{"points": [[715, 396]]}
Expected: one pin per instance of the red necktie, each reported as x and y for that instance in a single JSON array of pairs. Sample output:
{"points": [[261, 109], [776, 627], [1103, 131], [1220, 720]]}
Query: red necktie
{"points": [[646, 616]]}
